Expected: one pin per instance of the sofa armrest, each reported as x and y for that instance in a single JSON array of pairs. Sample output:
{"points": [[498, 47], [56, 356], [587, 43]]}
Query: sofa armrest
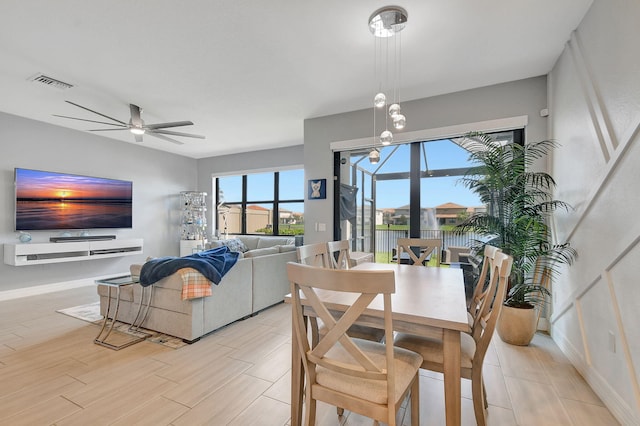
{"points": [[270, 280]]}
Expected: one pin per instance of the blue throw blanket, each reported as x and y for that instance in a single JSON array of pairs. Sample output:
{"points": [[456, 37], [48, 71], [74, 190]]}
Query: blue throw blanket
{"points": [[213, 264]]}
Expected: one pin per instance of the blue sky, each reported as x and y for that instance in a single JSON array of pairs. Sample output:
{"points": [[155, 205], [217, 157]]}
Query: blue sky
{"points": [[390, 194], [440, 155]]}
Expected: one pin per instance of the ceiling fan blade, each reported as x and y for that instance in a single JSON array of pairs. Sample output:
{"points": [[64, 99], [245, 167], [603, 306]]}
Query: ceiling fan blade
{"points": [[172, 124], [106, 130], [136, 119], [169, 132], [96, 112], [154, 134], [90, 121]]}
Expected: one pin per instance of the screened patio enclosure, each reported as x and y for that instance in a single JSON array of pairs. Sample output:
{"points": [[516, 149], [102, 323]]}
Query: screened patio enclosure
{"points": [[414, 190]]}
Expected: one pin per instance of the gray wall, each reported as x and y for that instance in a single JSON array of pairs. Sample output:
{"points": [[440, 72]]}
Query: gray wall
{"points": [[157, 179], [518, 98], [594, 97]]}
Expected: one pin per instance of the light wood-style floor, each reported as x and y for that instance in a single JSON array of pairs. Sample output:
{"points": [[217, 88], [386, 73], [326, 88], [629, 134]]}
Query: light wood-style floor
{"points": [[51, 373]]}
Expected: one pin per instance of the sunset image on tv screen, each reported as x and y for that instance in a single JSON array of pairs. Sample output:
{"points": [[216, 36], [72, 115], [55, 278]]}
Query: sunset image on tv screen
{"points": [[49, 200]]}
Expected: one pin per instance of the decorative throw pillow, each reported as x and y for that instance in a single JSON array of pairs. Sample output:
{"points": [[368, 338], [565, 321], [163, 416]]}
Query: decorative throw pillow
{"points": [[235, 244]]}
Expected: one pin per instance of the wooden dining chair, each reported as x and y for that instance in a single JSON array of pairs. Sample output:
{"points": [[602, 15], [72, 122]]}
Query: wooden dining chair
{"points": [[314, 255], [473, 347], [339, 254], [340, 259], [482, 287], [426, 247], [368, 378]]}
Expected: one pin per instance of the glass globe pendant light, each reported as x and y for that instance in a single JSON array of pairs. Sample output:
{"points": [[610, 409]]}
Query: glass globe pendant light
{"points": [[374, 156], [380, 100], [394, 110], [399, 121], [386, 137]]}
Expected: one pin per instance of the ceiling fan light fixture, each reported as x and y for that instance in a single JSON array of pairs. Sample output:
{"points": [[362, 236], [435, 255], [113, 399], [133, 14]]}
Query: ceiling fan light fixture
{"points": [[137, 130]]}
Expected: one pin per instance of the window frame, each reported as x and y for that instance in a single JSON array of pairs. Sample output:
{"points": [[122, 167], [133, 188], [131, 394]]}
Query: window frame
{"points": [[276, 202]]}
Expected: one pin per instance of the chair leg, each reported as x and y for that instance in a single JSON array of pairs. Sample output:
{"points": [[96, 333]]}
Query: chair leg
{"points": [[415, 401], [340, 411], [310, 406], [477, 390]]}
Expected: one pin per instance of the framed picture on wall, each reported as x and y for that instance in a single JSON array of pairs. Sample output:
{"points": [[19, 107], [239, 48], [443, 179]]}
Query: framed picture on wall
{"points": [[317, 189]]}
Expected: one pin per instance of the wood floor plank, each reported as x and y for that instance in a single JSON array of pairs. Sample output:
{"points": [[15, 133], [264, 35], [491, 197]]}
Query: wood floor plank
{"points": [[44, 412], [272, 366], [192, 363], [254, 415], [569, 384], [535, 403], [259, 347], [118, 403], [226, 403], [588, 414], [107, 382], [159, 411], [198, 386], [518, 361], [281, 389], [29, 396]]}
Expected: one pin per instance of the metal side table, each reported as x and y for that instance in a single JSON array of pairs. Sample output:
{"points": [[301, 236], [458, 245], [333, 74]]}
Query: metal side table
{"points": [[118, 283]]}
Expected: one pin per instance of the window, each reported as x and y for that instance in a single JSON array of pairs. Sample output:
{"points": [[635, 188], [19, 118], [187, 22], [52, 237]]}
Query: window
{"points": [[261, 203]]}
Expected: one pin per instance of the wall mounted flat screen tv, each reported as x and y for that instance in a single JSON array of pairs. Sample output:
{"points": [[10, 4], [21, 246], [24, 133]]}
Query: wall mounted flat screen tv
{"points": [[53, 201]]}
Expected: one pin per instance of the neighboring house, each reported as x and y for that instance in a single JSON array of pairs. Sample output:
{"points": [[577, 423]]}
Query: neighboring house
{"points": [[450, 213]]}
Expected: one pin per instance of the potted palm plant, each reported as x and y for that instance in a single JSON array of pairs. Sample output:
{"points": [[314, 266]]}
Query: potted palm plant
{"points": [[519, 203]]}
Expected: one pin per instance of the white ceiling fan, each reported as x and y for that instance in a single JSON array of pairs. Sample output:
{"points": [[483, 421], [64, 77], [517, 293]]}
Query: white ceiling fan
{"points": [[137, 126]]}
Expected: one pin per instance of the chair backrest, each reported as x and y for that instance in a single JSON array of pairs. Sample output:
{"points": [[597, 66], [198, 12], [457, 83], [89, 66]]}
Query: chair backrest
{"points": [[307, 281], [341, 260], [314, 255], [426, 247], [488, 316], [482, 288]]}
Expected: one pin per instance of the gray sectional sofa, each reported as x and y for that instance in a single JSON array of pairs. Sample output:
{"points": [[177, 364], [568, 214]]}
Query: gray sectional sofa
{"points": [[258, 280]]}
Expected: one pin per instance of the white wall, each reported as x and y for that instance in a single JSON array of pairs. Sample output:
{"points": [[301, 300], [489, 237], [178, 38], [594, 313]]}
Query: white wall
{"points": [[594, 101], [519, 98], [157, 177]]}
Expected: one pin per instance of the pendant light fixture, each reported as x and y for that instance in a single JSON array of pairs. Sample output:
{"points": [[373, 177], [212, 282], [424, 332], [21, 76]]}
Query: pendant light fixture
{"points": [[386, 24]]}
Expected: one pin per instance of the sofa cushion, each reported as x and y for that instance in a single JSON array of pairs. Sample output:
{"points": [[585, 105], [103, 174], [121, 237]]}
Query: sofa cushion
{"points": [[251, 241], [261, 252], [286, 248], [274, 241]]}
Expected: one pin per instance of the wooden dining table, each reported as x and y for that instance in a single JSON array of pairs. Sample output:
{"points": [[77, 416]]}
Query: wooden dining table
{"points": [[428, 301]]}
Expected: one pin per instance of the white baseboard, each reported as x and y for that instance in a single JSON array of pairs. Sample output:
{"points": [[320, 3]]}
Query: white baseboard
{"points": [[51, 288], [618, 406]]}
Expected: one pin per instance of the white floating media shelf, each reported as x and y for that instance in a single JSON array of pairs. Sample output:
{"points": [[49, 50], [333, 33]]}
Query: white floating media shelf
{"points": [[40, 253]]}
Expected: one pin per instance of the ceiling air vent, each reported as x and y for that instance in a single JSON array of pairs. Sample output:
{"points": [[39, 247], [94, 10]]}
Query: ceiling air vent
{"points": [[49, 81]]}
